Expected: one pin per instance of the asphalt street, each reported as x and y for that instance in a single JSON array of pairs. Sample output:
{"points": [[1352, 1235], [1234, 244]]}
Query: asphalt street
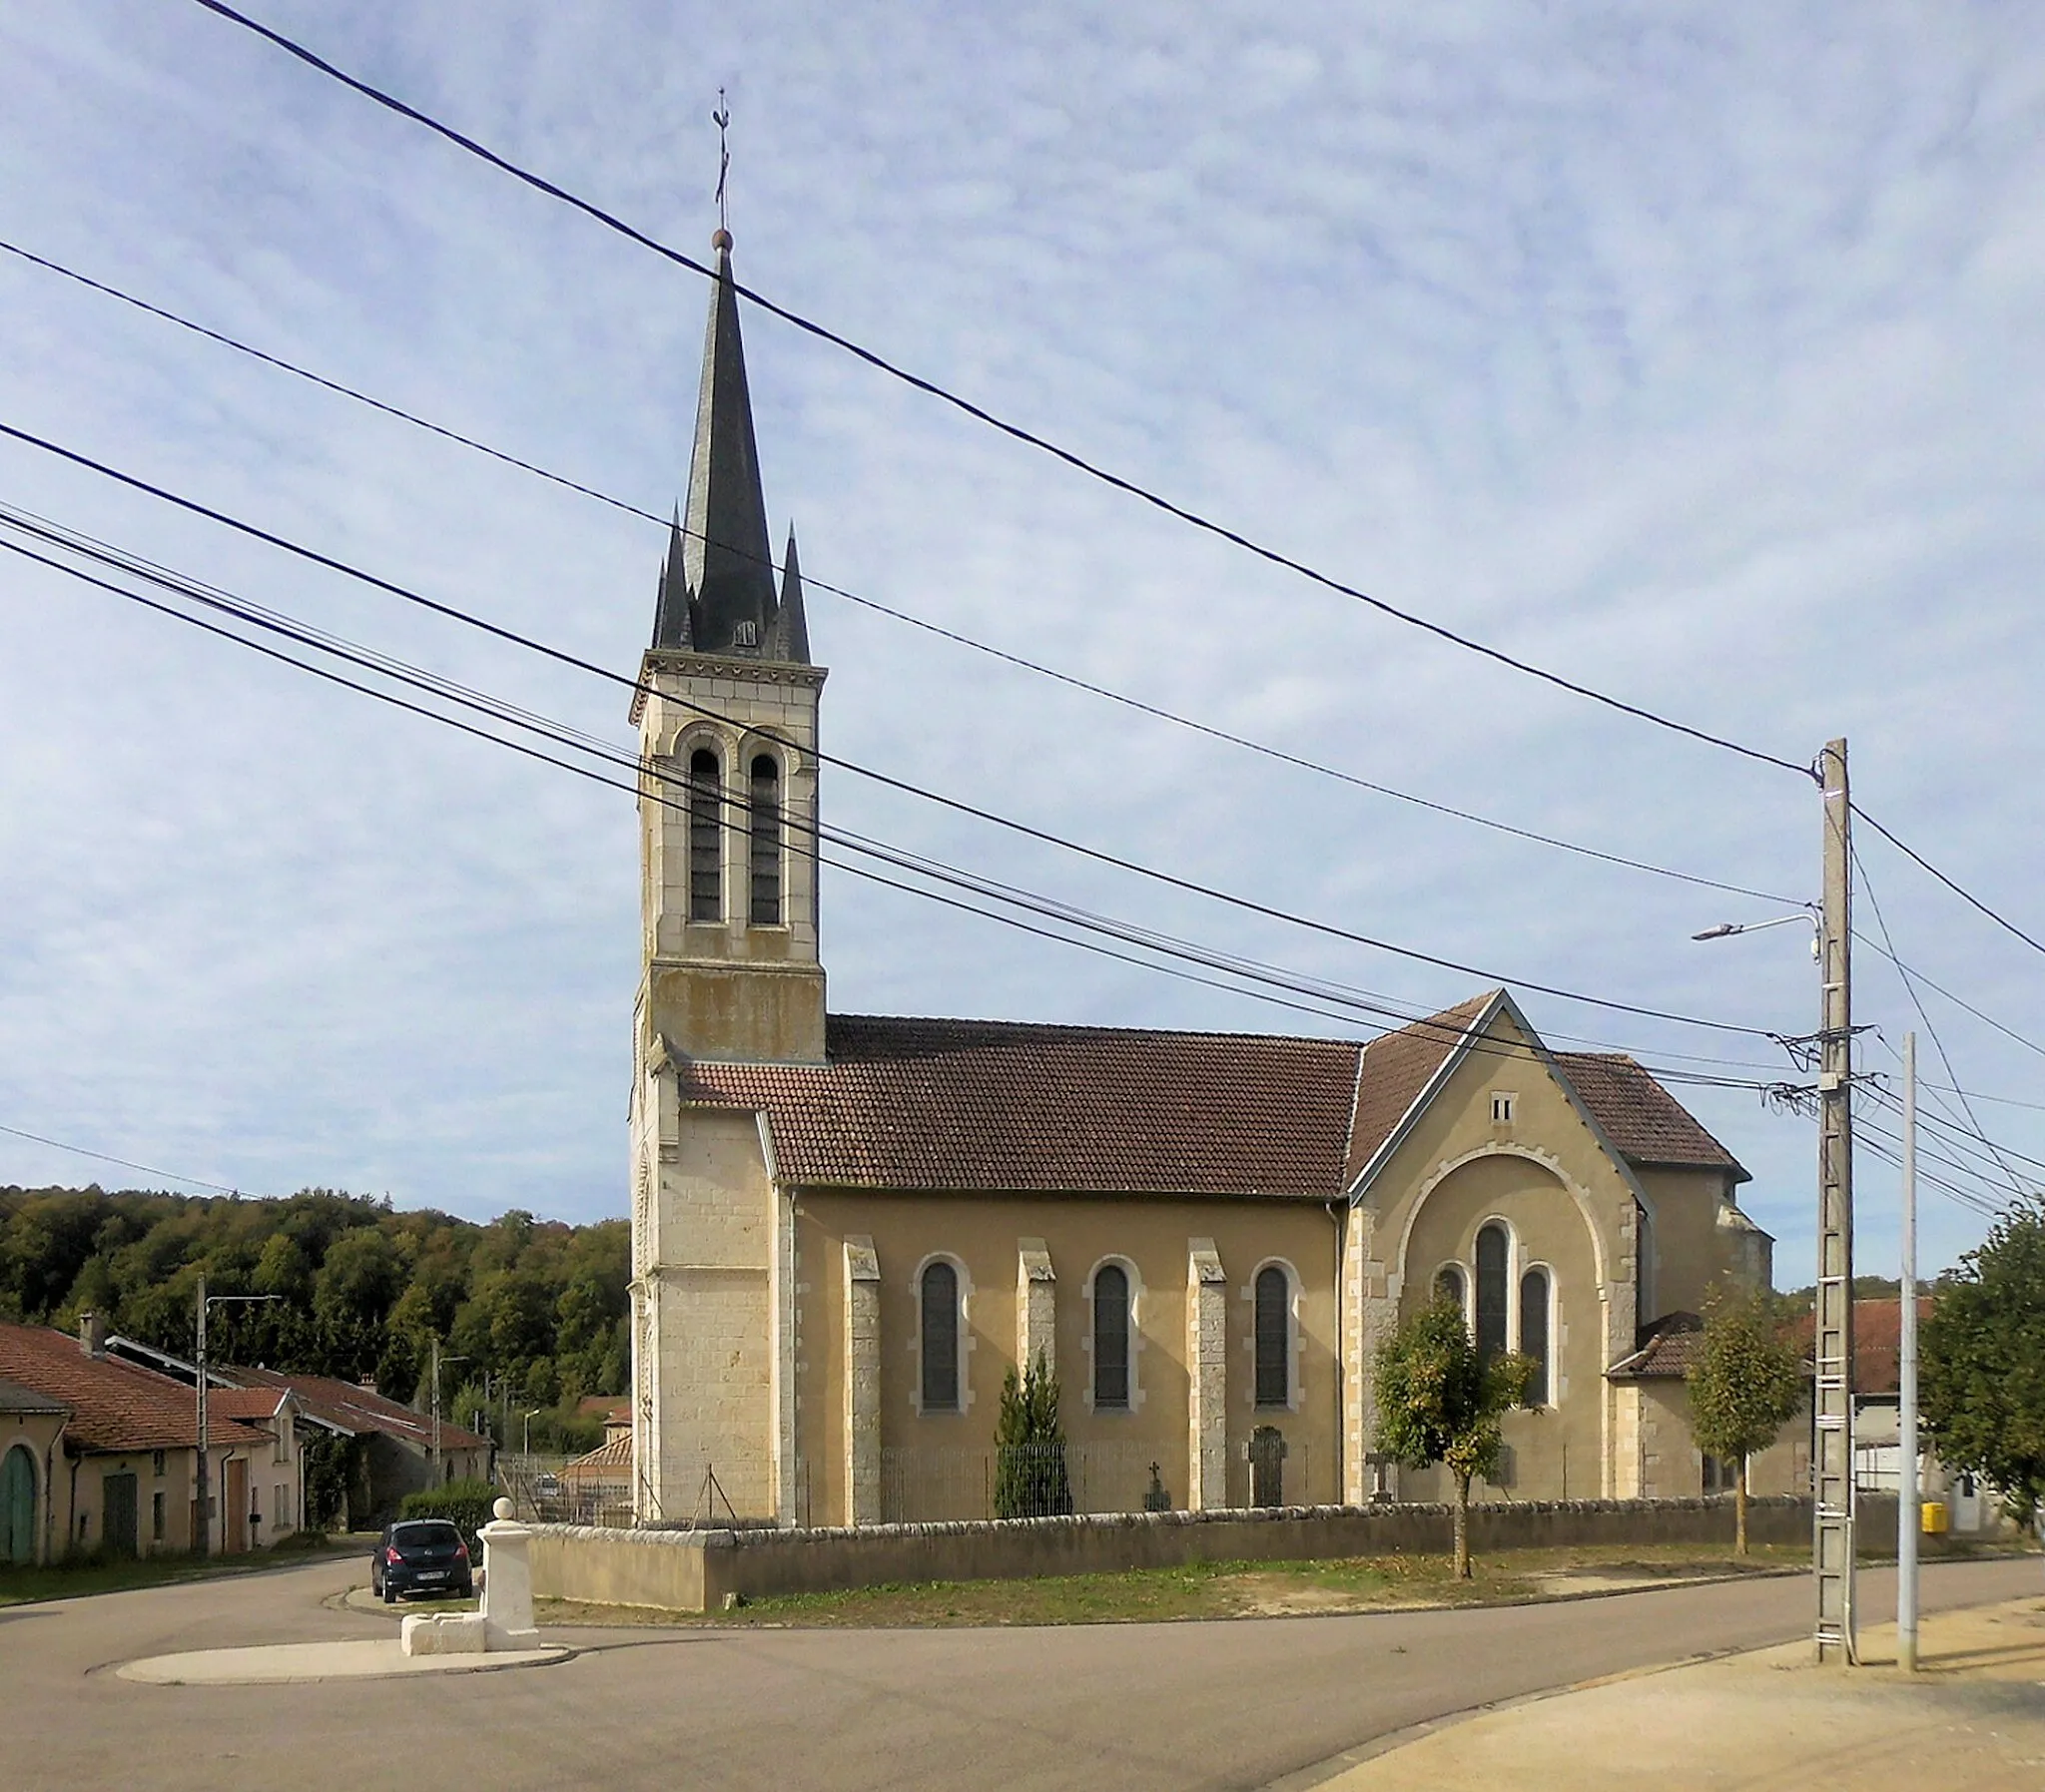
{"points": [[1232, 1704]]}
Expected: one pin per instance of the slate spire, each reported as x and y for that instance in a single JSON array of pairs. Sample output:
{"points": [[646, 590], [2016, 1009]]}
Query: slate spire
{"points": [[716, 592]]}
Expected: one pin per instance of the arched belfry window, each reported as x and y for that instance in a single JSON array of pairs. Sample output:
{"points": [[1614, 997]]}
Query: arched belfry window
{"points": [[766, 841], [1534, 1332], [1493, 1252], [1274, 1336], [706, 837], [940, 1338], [1110, 1338]]}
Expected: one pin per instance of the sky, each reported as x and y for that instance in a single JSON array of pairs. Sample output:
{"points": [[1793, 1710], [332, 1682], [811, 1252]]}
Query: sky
{"points": [[1692, 352]]}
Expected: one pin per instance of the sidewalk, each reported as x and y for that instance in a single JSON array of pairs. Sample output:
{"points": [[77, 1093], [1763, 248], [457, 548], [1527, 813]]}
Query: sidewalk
{"points": [[1973, 1715]]}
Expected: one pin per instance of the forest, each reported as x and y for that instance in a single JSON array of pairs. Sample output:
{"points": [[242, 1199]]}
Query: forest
{"points": [[529, 1313]]}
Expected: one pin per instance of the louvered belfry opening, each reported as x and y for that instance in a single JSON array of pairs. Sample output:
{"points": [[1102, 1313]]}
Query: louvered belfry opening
{"points": [[766, 843], [940, 1338], [1110, 1338], [706, 837], [1491, 1251], [1274, 1337]]}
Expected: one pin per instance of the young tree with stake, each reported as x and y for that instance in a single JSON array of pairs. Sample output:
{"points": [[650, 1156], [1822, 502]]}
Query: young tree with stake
{"points": [[1746, 1385], [1438, 1401]]}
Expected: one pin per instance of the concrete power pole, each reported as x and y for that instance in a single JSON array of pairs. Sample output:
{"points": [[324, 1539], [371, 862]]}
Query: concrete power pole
{"points": [[1832, 1348], [1909, 1513]]}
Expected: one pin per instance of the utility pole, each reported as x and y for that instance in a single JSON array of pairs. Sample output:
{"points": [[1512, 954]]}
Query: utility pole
{"points": [[1908, 1517], [1832, 1341], [202, 1536], [433, 1449]]}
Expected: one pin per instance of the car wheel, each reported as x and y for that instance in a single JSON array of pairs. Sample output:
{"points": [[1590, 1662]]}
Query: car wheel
{"points": [[389, 1593]]}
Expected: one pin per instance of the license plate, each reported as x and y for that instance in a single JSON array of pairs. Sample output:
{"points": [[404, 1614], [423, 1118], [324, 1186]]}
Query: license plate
{"points": [[433, 1575]]}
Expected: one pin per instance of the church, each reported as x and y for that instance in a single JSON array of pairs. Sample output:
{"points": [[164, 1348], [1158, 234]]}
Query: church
{"points": [[847, 1229]]}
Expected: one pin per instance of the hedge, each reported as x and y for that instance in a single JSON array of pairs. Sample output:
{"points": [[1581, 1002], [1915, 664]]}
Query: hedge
{"points": [[467, 1503]]}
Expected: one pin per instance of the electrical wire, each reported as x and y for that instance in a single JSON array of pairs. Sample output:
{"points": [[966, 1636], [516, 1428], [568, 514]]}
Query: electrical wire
{"points": [[1910, 989], [1958, 889], [980, 414], [812, 582], [1187, 885], [1958, 1002], [1350, 1002], [125, 1163]]}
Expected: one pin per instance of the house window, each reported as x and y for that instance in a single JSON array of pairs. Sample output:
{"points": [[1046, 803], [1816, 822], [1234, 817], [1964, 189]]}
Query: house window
{"points": [[706, 837], [1721, 1474], [940, 1338], [155, 1514], [1493, 1252], [1111, 1339], [1449, 1286], [766, 843], [1274, 1336], [156, 1463], [1500, 1108], [1534, 1333]]}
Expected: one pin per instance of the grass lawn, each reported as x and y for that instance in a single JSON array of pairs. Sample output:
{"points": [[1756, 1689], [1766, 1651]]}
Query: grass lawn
{"points": [[1220, 1589], [70, 1581]]}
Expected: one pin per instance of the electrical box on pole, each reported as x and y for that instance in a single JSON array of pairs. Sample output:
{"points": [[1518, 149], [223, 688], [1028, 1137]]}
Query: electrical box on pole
{"points": [[1832, 1465]]}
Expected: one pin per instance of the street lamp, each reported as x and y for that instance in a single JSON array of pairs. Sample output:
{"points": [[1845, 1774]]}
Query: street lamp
{"points": [[434, 1451], [205, 1538], [529, 1418], [1727, 929]]}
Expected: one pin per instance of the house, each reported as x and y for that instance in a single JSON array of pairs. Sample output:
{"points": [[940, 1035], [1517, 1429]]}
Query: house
{"points": [[275, 1506], [398, 1450], [125, 1478], [31, 1430], [848, 1230]]}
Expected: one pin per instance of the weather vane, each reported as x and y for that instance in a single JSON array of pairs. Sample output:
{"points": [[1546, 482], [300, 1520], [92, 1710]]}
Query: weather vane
{"points": [[722, 119]]}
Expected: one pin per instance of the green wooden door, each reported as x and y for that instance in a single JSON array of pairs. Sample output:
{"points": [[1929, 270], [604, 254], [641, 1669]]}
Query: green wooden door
{"points": [[17, 1507], [117, 1496]]}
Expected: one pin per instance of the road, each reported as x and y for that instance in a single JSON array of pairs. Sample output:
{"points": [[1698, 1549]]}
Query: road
{"points": [[1232, 1704]]}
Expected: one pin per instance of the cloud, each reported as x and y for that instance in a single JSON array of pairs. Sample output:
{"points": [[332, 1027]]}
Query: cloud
{"points": [[1692, 356]]}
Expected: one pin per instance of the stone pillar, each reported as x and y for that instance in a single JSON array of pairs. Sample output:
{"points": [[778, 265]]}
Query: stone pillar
{"points": [[507, 1583], [1206, 1378], [862, 1416], [1037, 1288]]}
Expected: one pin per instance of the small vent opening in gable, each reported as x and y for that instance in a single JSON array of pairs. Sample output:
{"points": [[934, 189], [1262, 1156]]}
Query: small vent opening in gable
{"points": [[1500, 1108]]}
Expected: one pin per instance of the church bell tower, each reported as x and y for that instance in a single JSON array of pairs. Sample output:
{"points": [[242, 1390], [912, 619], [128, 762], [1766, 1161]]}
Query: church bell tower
{"points": [[727, 718], [728, 807]]}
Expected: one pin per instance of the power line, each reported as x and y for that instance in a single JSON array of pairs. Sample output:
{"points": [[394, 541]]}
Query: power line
{"points": [[1967, 1198], [1910, 989], [980, 414], [1918, 858], [812, 582], [1045, 837], [1958, 1002], [1351, 1001], [125, 1163]]}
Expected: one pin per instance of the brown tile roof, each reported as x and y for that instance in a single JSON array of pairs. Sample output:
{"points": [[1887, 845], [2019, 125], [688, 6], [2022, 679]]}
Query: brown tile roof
{"points": [[1877, 1342], [1396, 1067], [253, 1405], [604, 1462], [357, 1409], [114, 1404], [1645, 1123], [14, 1398], [1020, 1109], [1669, 1347]]}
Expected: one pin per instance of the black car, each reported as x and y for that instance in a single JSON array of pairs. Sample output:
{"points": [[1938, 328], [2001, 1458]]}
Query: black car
{"points": [[420, 1555]]}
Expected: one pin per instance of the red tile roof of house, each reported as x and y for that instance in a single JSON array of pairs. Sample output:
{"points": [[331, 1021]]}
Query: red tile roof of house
{"points": [[114, 1404], [604, 1463], [354, 1408], [1018, 1108], [1877, 1342], [253, 1405]]}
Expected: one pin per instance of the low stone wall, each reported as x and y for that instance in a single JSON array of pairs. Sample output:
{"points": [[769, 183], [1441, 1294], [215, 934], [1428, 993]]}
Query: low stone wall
{"points": [[694, 1570]]}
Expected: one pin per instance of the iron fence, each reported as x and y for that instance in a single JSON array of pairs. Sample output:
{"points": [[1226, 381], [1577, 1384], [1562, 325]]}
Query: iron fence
{"points": [[561, 1489]]}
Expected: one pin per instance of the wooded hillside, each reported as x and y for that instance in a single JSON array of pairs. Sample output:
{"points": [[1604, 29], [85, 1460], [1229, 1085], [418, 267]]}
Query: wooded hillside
{"points": [[537, 1305]]}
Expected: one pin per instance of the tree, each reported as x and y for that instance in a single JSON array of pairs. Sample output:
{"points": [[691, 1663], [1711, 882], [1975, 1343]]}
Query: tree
{"points": [[1438, 1401], [1982, 1361], [1030, 1447], [1746, 1384]]}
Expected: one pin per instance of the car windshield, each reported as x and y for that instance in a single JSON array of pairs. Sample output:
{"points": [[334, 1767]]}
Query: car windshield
{"points": [[435, 1535]]}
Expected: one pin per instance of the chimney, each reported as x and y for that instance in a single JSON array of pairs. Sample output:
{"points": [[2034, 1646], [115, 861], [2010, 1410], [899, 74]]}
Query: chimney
{"points": [[92, 1334], [368, 1384]]}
